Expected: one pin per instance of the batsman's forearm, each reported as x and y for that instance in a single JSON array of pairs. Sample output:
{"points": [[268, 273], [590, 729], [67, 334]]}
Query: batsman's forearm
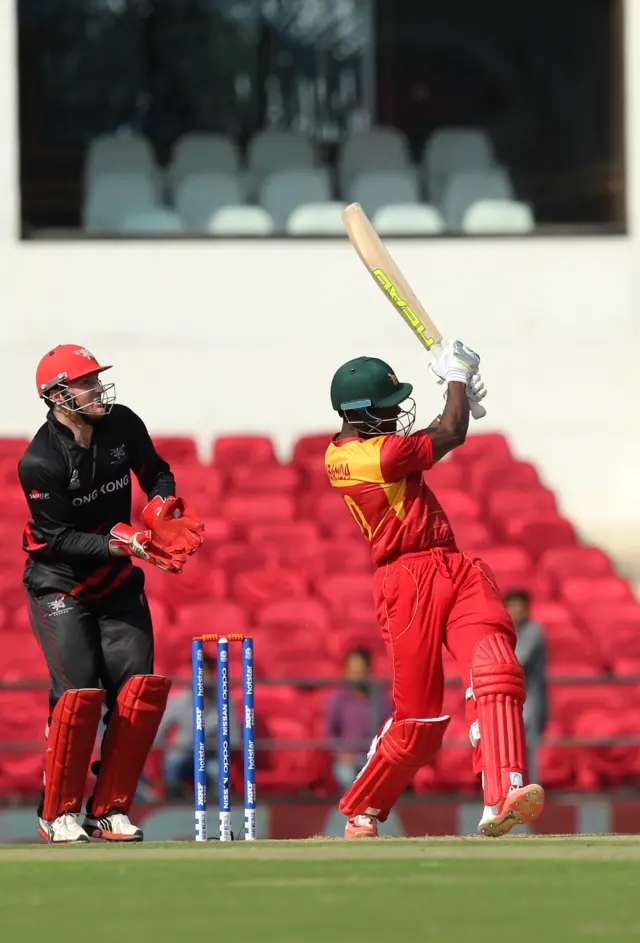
{"points": [[451, 430], [455, 416]]}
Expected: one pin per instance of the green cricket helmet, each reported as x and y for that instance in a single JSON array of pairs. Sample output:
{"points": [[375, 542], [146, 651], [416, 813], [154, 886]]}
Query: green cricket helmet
{"points": [[366, 384]]}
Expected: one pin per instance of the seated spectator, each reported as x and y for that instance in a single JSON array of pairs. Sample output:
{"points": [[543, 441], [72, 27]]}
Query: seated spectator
{"points": [[176, 732], [531, 651], [353, 717]]}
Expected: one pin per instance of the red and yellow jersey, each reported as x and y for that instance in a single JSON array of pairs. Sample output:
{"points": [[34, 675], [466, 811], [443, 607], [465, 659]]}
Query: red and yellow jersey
{"points": [[383, 487]]}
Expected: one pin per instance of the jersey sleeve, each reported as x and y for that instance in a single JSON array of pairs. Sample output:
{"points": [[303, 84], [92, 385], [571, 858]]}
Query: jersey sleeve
{"points": [[405, 455], [152, 472], [51, 531]]}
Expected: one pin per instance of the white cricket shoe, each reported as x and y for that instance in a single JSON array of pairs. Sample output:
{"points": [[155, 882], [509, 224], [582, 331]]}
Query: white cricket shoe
{"points": [[115, 826], [63, 830]]}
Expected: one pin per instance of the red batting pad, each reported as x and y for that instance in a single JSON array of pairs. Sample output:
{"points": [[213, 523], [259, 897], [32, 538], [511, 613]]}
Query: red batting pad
{"points": [[72, 734], [498, 686], [402, 748], [129, 737]]}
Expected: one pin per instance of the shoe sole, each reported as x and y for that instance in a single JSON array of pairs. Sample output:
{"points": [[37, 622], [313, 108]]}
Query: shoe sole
{"points": [[524, 806], [108, 836], [360, 834], [70, 841]]}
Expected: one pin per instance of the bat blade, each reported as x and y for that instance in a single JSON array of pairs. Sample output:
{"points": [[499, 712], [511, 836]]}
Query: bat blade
{"points": [[379, 263]]}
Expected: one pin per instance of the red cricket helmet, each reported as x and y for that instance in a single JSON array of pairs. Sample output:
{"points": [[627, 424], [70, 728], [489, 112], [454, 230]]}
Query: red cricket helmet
{"points": [[64, 363]]}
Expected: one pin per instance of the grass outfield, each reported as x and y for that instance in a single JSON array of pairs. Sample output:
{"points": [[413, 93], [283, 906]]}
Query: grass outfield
{"points": [[393, 890]]}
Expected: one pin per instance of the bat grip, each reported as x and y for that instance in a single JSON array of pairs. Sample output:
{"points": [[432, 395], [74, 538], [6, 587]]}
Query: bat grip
{"points": [[477, 410]]}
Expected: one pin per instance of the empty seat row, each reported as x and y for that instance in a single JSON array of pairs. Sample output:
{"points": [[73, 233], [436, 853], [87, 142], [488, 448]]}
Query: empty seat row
{"points": [[206, 176], [446, 151], [301, 202]]}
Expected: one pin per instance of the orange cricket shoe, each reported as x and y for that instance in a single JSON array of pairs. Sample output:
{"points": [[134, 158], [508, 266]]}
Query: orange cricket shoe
{"points": [[520, 807], [361, 826]]}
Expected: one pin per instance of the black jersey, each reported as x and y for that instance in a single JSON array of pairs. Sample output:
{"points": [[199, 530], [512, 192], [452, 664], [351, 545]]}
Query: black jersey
{"points": [[76, 495]]}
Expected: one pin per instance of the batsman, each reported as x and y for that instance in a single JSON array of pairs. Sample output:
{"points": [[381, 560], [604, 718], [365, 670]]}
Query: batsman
{"points": [[428, 594], [86, 599]]}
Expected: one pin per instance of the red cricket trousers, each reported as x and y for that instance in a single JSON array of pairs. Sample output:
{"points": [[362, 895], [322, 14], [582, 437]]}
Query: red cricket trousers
{"points": [[427, 600]]}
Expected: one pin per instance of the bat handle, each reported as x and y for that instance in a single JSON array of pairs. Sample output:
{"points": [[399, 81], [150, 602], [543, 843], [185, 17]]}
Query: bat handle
{"points": [[477, 410]]}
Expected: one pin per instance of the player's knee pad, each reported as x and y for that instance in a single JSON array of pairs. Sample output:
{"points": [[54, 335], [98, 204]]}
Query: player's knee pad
{"points": [[498, 686], [128, 740], [70, 741], [401, 748]]}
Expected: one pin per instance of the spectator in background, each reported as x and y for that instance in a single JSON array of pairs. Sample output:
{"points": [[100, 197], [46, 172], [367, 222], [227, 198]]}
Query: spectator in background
{"points": [[176, 733], [353, 715], [531, 651]]}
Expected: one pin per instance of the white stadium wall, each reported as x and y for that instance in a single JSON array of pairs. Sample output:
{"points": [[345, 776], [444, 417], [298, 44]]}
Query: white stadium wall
{"points": [[212, 337]]}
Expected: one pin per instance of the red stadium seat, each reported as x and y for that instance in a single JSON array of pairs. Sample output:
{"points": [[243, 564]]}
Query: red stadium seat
{"points": [[556, 764], [561, 563], [507, 557], [594, 712], [21, 658], [9, 474], [232, 451], [17, 618], [346, 556], [616, 627], [327, 508], [290, 615], [478, 446], [23, 717], [173, 642], [504, 503], [193, 480], [472, 536], [13, 506], [216, 531], [344, 527], [548, 613], [12, 449], [279, 479], [176, 448], [289, 532], [458, 505], [217, 617], [571, 651], [540, 533], [604, 618], [295, 769], [254, 589], [238, 556], [580, 592], [311, 448], [198, 582], [255, 508], [453, 767], [339, 591], [488, 474], [513, 569], [293, 663], [446, 475]]}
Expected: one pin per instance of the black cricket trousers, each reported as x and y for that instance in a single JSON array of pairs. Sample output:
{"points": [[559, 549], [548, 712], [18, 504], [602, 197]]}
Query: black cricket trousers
{"points": [[96, 643]]}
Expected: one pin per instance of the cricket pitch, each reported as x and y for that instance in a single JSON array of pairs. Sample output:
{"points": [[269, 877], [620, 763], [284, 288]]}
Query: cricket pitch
{"points": [[442, 889]]}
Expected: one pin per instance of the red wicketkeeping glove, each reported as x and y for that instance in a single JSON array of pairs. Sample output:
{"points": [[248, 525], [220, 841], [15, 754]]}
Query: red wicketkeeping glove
{"points": [[174, 524], [127, 542]]}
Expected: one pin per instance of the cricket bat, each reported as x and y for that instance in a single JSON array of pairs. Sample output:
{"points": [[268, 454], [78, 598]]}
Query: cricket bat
{"points": [[377, 260]]}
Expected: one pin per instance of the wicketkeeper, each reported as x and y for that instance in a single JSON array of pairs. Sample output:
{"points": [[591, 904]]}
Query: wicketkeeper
{"points": [[427, 593], [87, 603]]}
